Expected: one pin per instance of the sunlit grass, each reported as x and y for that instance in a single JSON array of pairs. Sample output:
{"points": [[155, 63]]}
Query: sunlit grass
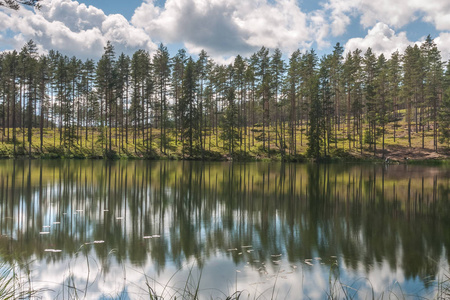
{"points": [[147, 143]]}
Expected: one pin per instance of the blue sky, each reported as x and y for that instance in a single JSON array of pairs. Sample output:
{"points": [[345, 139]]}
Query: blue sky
{"points": [[226, 28]]}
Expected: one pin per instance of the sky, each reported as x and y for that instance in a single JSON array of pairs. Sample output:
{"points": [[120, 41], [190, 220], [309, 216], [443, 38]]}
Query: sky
{"points": [[226, 28]]}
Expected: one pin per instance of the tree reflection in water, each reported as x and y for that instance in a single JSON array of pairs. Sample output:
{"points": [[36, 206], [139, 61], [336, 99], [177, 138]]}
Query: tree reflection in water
{"points": [[154, 218]]}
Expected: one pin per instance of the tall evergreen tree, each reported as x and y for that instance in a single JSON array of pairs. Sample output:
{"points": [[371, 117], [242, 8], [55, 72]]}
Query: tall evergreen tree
{"points": [[161, 68], [315, 133], [105, 82], [433, 76], [188, 107], [230, 133], [264, 92]]}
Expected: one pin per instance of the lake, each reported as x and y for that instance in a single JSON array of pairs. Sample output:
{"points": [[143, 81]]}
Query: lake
{"points": [[93, 229]]}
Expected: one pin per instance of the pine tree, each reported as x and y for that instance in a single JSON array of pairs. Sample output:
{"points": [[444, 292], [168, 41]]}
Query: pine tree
{"points": [[444, 119], [178, 63], [239, 69], [292, 86], [336, 74], [394, 79], [230, 133], [277, 69], [433, 76], [370, 72], [161, 68], [315, 133], [123, 82], [411, 82], [325, 95], [188, 108], [382, 90], [264, 92], [105, 82]]}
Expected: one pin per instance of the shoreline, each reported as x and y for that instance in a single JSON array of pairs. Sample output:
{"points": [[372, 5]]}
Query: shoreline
{"points": [[342, 157]]}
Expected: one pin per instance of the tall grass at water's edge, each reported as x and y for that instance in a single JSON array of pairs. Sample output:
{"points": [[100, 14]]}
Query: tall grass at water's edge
{"points": [[16, 283]]}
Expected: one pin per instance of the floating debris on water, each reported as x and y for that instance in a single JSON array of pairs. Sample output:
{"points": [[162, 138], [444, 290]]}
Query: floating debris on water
{"points": [[317, 258], [238, 271], [79, 210], [258, 283], [44, 232], [99, 242], [156, 236], [240, 253], [308, 263], [276, 261], [247, 246], [232, 249], [147, 237], [46, 226], [276, 255], [294, 267], [119, 218], [56, 223], [333, 256], [105, 210], [53, 250], [250, 251], [256, 261]]}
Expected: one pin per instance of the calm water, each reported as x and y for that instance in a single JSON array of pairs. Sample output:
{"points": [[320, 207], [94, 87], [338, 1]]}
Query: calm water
{"points": [[101, 230]]}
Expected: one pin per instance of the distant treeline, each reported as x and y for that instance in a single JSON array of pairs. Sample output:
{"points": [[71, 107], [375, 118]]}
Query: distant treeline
{"points": [[160, 102]]}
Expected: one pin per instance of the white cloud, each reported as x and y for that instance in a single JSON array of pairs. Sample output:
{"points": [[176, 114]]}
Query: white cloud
{"points": [[443, 43], [76, 16], [73, 29], [393, 13], [224, 28], [382, 39], [319, 25]]}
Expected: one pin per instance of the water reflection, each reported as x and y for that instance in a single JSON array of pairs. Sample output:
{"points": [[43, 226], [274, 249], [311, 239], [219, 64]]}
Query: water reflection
{"points": [[262, 218]]}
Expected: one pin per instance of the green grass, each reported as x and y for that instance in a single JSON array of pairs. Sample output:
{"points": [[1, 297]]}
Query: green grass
{"points": [[139, 148], [14, 284]]}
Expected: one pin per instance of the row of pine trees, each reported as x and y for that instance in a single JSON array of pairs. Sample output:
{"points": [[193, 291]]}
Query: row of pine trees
{"points": [[156, 101]]}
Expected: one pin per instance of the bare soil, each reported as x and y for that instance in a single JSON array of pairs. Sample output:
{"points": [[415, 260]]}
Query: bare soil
{"points": [[401, 153]]}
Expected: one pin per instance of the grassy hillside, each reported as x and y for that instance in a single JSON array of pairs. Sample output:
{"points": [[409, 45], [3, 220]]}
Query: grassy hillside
{"points": [[251, 148]]}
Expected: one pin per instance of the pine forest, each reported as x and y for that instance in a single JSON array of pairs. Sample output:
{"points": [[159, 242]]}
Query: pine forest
{"points": [[264, 106]]}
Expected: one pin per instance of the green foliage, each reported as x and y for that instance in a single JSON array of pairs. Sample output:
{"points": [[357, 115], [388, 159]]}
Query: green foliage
{"points": [[230, 132], [444, 118], [261, 105]]}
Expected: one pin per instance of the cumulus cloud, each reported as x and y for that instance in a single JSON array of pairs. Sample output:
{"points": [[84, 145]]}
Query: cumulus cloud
{"points": [[393, 13], [222, 28], [72, 28], [443, 43], [382, 39], [230, 27]]}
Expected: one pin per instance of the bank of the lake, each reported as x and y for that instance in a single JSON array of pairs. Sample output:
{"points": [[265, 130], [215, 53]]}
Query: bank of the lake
{"points": [[212, 147]]}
